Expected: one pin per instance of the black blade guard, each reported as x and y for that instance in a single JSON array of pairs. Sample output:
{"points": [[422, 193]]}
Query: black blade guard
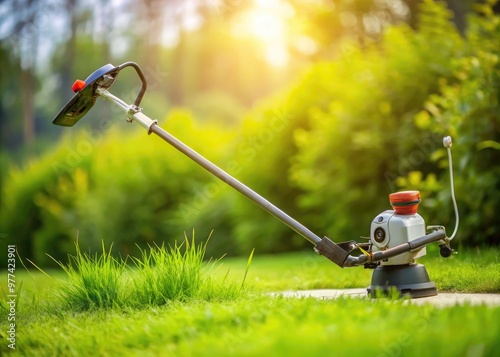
{"points": [[84, 99]]}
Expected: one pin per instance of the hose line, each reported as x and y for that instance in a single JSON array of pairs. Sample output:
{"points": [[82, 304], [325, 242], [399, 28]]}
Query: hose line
{"points": [[452, 187]]}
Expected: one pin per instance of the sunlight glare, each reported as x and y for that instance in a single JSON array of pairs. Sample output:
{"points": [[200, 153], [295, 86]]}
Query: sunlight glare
{"points": [[266, 22], [265, 25]]}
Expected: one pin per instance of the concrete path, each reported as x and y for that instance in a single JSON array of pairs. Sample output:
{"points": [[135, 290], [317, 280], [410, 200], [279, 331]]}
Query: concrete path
{"points": [[442, 299]]}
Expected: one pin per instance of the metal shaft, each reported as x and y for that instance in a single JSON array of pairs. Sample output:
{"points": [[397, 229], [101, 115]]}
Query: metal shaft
{"points": [[237, 185], [152, 127]]}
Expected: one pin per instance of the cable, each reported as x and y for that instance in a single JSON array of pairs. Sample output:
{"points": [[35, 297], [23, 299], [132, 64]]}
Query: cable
{"points": [[447, 145]]}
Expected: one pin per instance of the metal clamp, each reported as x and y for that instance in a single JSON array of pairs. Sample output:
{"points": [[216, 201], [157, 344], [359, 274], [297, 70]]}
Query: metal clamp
{"points": [[135, 113]]}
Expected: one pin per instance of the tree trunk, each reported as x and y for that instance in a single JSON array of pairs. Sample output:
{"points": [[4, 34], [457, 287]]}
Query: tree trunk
{"points": [[67, 69], [27, 87]]}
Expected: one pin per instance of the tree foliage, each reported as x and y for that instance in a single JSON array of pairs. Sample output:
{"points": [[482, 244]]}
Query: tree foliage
{"points": [[467, 108], [327, 150]]}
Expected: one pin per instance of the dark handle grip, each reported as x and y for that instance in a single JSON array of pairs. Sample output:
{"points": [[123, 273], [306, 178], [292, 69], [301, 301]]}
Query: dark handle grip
{"points": [[141, 76]]}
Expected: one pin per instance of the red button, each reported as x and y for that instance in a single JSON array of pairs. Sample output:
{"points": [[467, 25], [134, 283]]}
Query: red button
{"points": [[78, 85]]}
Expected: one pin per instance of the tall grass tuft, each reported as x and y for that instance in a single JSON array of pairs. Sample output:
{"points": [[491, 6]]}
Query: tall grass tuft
{"points": [[93, 281], [179, 273], [158, 276]]}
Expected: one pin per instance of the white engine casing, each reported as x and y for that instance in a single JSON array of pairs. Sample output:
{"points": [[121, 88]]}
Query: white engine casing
{"points": [[389, 229]]}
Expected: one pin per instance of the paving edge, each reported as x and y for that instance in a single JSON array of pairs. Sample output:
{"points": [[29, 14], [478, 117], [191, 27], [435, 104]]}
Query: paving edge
{"points": [[443, 299]]}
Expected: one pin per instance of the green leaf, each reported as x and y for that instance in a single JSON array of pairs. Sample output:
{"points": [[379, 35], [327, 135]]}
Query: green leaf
{"points": [[488, 144]]}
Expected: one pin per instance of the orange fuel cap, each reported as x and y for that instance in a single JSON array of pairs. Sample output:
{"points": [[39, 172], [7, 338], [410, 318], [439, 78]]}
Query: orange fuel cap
{"points": [[405, 202], [78, 85]]}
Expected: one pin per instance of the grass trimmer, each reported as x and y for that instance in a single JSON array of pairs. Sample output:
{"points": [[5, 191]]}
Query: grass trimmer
{"points": [[397, 237]]}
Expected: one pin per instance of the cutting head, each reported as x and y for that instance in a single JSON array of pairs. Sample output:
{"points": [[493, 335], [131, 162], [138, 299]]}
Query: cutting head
{"points": [[85, 96]]}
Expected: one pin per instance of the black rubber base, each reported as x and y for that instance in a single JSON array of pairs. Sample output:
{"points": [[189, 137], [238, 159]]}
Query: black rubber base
{"points": [[411, 280]]}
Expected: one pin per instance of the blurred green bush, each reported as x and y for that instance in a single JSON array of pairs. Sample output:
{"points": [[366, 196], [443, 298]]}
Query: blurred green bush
{"points": [[327, 151], [467, 107], [371, 123], [106, 185], [362, 134]]}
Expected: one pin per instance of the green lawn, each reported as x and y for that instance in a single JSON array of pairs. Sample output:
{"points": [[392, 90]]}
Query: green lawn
{"points": [[472, 270], [256, 324]]}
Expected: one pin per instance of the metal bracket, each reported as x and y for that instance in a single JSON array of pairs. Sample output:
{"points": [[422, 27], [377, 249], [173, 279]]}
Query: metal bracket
{"points": [[106, 81], [132, 110], [135, 113]]}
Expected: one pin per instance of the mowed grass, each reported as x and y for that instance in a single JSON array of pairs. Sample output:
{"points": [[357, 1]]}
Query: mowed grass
{"points": [[265, 326], [253, 323]]}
